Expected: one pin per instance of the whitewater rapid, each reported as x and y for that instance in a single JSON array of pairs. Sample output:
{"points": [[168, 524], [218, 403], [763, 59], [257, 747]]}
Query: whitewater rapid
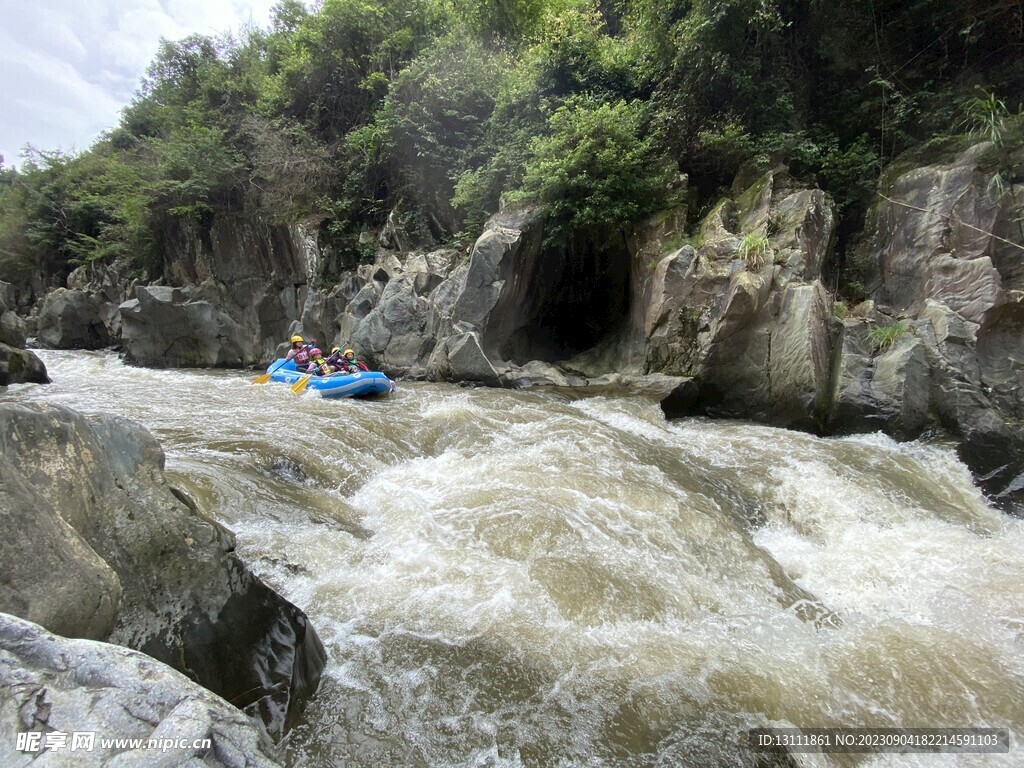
{"points": [[536, 578]]}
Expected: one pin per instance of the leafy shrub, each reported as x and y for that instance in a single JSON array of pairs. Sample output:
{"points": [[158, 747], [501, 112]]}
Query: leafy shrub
{"points": [[754, 250], [598, 169], [884, 336], [986, 117]]}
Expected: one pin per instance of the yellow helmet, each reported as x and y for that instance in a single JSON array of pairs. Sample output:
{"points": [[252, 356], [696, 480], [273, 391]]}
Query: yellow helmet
{"points": [[334, 350], [296, 339], [349, 352]]}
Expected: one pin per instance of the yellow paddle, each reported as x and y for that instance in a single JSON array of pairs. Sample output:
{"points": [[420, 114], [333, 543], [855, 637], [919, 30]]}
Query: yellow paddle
{"points": [[263, 378], [301, 384]]}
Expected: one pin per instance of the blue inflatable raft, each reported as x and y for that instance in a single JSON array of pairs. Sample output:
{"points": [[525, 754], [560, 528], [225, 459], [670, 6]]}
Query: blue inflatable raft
{"points": [[362, 384]]}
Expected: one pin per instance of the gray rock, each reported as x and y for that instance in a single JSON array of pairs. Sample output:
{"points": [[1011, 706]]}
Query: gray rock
{"points": [[13, 331], [52, 576], [186, 599], [945, 256], [509, 239], [165, 327], [532, 374], [393, 336], [887, 390], [71, 319], [442, 300], [467, 361], [991, 444], [372, 336], [20, 366], [1001, 358], [733, 372], [803, 222], [800, 360], [236, 247], [54, 686], [932, 240], [8, 296], [1006, 252], [758, 339]]}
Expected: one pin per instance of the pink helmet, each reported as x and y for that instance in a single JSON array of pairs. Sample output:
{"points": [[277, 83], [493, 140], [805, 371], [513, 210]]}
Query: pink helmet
{"points": [[315, 352]]}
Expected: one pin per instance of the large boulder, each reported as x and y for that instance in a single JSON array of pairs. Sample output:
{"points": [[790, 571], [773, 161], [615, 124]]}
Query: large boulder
{"points": [[742, 309], [414, 308], [186, 598], [69, 700], [467, 361], [948, 255], [881, 389], [237, 285], [52, 576], [393, 335], [71, 319], [19, 366], [13, 331], [507, 247], [800, 362], [1001, 357], [215, 324], [933, 237], [168, 327], [980, 411]]}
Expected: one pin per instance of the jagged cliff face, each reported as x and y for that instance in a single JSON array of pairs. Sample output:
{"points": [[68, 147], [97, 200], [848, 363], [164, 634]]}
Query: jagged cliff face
{"points": [[743, 309], [739, 307], [950, 256], [233, 293], [238, 249]]}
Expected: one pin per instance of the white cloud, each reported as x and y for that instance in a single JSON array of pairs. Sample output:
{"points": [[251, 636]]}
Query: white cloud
{"points": [[67, 67]]}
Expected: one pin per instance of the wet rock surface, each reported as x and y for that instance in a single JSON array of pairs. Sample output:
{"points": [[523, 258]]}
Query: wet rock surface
{"points": [[96, 485], [54, 689]]}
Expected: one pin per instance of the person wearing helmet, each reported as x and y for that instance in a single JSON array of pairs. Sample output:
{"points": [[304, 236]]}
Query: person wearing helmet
{"points": [[317, 365], [336, 361], [354, 365], [300, 351], [345, 362]]}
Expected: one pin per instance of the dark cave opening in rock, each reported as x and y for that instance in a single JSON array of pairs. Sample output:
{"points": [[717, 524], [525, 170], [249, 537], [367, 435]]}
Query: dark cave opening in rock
{"points": [[566, 301]]}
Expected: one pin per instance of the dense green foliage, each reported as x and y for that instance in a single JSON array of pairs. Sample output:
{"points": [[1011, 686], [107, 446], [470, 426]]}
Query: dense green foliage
{"points": [[589, 108], [596, 170]]}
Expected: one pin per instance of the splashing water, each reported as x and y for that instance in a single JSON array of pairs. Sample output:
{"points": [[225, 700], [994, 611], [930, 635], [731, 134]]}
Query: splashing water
{"points": [[538, 579]]}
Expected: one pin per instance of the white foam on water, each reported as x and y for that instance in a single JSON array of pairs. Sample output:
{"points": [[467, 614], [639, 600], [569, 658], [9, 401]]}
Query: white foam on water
{"points": [[509, 578]]}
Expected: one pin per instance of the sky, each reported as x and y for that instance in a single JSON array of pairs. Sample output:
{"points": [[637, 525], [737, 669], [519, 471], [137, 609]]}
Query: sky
{"points": [[68, 67]]}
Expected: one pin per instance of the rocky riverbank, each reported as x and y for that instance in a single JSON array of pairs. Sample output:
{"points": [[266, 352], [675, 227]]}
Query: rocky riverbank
{"points": [[100, 547]]}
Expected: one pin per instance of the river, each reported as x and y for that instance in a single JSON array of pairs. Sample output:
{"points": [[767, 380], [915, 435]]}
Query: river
{"points": [[531, 578]]}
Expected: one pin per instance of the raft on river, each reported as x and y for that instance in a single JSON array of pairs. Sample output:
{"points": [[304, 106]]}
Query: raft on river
{"points": [[362, 384]]}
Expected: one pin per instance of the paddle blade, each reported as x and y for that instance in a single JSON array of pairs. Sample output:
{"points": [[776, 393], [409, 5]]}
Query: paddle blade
{"points": [[263, 378], [300, 385]]}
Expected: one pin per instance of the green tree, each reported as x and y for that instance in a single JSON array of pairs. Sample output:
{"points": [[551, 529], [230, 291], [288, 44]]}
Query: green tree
{"points": [[597, 170]]}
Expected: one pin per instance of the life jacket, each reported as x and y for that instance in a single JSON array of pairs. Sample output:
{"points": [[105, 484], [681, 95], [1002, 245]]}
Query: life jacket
{"points": [[302, 356], [354, 365]]}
